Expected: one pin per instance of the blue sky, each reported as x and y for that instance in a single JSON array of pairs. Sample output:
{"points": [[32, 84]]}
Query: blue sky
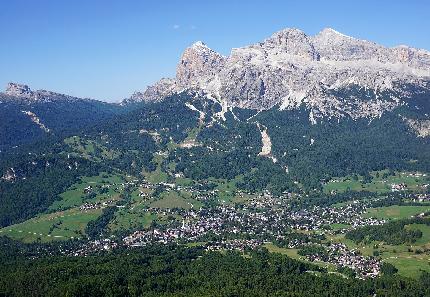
{"points": [[108, 49]]}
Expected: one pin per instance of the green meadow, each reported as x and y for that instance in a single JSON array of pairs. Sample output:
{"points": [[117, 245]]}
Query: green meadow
{"points": [[395, 212], [75, 195], [61, 225], [378, 184]]}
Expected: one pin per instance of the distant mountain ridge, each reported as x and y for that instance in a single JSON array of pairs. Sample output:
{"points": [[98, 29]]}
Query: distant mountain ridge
{"points": [[23, 93], [331, 74], [28, 115]]}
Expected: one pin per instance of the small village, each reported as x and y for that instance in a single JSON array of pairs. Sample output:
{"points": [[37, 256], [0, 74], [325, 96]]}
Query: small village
{"points": [[254, 220], [259, 221]]}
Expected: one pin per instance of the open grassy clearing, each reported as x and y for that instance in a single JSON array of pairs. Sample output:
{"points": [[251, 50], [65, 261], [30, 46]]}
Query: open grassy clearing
{"points": [[339, 226], [226, 188], [190, 140], [126, 219], [293, 254], [242, 198], [61, 225], [136, 216], [395, 212], [183, 181], [410, 266], [379, 183], [89, 149], [158, 175], [75, 195], [425, 239], [63, 219], [176, 199]]}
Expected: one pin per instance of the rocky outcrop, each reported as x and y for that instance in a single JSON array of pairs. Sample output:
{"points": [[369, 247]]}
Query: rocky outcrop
{"points": [[18, 90], [154, 93], [9, 175], [420, 127]]}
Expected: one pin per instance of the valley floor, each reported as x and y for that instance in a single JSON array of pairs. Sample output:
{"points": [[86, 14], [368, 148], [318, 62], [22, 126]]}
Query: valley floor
{"points": [[153, 211]]}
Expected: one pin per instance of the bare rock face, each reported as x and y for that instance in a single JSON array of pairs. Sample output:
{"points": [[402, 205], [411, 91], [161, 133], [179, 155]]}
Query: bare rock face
{"points": [[335, 46], [9, 175], [330, 74], [420, 127], [294, 42], [196, 62], [19, 90], [156, 92]]}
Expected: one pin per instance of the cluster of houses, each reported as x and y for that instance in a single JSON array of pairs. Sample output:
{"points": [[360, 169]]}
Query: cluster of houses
{"points": [[235, 244], [94, 246], [399, 187], [96, 205], [318, 218], [422, 198], [339, 255]]}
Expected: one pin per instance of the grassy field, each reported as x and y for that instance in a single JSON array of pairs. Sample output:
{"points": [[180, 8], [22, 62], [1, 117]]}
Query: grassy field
{"points": [[379, 184], [87, 149], [226, 188], [65, 220], [75, 195], [61, 225], [284, 251], [126, 219], [425, 239], [339, 226], [243, 198], [176, 199], [135, 215], [293, 254], [183, 181], [410, 266], [395, 212], [158, 175]]}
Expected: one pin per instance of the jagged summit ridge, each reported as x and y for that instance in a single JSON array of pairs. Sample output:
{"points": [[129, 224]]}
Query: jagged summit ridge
{"points": [[292, 69]]}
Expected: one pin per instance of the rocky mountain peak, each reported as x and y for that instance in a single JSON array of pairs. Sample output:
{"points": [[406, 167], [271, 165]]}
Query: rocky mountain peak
{"points": [[196, 61], [336, 46], [199, 45], [332, 32], [287, 34], [330, 74], [291, 41], [18, 90]]}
